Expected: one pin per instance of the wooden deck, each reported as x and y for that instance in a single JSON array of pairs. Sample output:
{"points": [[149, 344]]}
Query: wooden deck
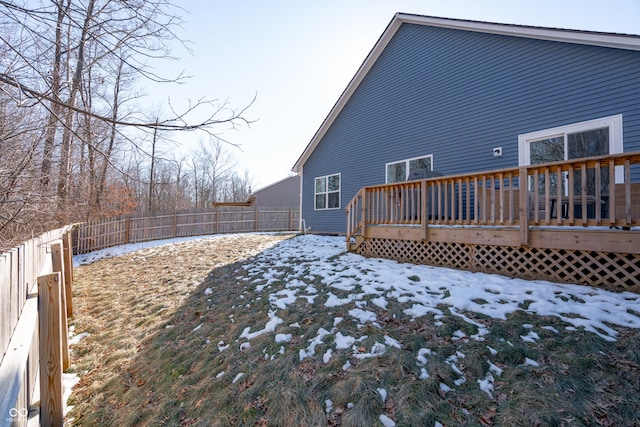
{"points": [[496, 222]]}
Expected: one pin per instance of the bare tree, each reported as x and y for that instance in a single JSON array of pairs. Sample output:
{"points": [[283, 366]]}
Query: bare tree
{"points": [[53, 60]]}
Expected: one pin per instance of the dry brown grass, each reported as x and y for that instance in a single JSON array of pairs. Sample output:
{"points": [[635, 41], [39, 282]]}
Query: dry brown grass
{"points": [[152, 357], [123, 301]]}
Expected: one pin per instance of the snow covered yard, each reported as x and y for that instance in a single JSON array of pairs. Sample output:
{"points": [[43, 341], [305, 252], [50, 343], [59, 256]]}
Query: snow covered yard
{"points": [[257, 330]]}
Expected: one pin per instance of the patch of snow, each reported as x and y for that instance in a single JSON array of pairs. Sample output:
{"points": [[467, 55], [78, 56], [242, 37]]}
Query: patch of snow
{"points": [[328, 406], [343, 341], [280, 338], [68, 382], [334, 301], [386, 421], [486, 384], [363, 316], [75, 339], [316, 341], [493, 368], [380, 302], [422, 360], [445, 388], [377, 349], [530, 337], [392, 342], [269, 327]]}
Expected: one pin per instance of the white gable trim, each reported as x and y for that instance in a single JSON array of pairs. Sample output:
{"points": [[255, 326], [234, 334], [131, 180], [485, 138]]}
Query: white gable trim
{"points": [[619, 41], [612, 40]]}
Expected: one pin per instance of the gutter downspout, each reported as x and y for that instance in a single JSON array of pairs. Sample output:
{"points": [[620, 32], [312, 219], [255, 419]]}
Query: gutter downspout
{"points": [[302, 225]]}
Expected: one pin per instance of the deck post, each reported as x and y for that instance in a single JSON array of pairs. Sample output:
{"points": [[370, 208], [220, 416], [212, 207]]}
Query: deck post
{"points": [[627, 192], [524, 207], [423, 208], [363, 213]]}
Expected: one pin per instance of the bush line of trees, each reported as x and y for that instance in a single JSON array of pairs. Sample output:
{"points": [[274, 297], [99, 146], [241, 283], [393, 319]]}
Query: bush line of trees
{"points": [[75, 141]]}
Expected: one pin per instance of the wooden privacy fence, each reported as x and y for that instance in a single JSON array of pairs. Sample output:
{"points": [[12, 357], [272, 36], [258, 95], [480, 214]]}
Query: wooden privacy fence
{"points": [[35, 301], [110, 232]]}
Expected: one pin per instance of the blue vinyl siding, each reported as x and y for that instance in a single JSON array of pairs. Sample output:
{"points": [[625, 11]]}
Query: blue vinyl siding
{"points": [[457, 94]]}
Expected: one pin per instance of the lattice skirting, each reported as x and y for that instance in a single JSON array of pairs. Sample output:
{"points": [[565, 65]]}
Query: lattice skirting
{"points": [[613, 271]]}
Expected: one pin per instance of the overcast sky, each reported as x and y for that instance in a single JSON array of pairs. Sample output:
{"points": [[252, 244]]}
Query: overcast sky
{"points": [[298, 56]]}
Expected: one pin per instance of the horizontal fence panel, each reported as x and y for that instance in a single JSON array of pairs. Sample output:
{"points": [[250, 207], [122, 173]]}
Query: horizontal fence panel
{"points": [[101, 234]]}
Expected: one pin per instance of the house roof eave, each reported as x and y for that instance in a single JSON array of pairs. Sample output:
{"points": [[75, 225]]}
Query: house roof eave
{"points": [[273, 184]]}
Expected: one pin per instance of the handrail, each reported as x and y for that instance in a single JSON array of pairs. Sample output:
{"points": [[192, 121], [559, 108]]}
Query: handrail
{"points": [[355, 219], [587, 192]]}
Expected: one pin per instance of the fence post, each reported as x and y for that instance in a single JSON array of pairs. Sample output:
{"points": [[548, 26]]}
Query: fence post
{"points": [[51, 405], [68, 272], [290, 219], [127, 230], [255, 227], [175, 224], [58, 267]]}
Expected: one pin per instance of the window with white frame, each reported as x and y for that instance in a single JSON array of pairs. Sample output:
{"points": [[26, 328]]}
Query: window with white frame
{"points": [[327, 192], [585, 139], [401, 170]]}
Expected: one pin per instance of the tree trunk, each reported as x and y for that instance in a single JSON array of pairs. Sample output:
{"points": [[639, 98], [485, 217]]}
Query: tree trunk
{"points": [[65, 153], [55, 108]]}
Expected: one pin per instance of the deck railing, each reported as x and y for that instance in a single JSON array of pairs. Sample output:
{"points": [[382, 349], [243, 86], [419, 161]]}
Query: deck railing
{"points": [[588, 192]]}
